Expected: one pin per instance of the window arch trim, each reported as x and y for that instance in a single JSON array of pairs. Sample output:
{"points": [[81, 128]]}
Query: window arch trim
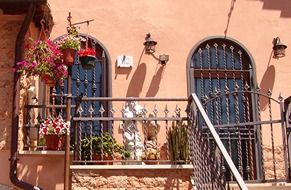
{"points": [[190, 86]]}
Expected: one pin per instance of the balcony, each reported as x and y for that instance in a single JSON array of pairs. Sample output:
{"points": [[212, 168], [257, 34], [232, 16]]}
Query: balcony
{"points": [[157, 133]]}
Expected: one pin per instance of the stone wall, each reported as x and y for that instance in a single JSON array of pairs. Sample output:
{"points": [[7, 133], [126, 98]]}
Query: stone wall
{"points": [[10, 26], [4, 187], [157, 179], [269, 162]]}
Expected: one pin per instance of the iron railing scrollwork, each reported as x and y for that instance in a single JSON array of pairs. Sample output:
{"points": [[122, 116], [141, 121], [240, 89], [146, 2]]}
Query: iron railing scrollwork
{"points": [[208, 158]]}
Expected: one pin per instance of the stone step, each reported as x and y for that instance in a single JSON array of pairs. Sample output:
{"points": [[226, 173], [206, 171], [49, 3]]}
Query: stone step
{"points": [[265, 186]]}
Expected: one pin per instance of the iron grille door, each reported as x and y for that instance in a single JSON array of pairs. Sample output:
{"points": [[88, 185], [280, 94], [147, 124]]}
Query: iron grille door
{"points": [[86, 83], [220, 69]]}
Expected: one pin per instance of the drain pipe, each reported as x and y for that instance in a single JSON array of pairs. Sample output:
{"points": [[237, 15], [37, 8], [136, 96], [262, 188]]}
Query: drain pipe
{"points": [[16, 89]]}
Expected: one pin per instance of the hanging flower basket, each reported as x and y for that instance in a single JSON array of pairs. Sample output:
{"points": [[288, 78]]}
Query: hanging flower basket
{"points": [[87, 58], [69, 44], [69, 56], [42, 58], [48, 81]]}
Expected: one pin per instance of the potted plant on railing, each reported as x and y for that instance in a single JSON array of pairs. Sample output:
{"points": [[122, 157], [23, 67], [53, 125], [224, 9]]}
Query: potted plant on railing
{"points": [[53, 131], [69, 45], [42, 58], [87, 58]]}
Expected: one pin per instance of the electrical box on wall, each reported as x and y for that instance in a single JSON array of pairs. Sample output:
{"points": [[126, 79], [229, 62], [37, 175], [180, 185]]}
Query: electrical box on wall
{"points": [[124, 61]]}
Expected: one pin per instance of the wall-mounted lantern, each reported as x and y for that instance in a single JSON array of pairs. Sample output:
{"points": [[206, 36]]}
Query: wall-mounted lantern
{"points": [[278, 48], [150, 46]]}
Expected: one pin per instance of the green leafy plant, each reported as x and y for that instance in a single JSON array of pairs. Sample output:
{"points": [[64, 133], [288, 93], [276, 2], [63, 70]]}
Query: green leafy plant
{"points": [[71, 40], [105, 144], [178, 142]]}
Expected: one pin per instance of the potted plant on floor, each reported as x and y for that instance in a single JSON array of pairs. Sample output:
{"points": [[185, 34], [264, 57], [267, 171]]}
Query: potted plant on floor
{"points": [[69, 45], [42, 58], [152, 153], [103, 148], [53, 130], [178, 142]]}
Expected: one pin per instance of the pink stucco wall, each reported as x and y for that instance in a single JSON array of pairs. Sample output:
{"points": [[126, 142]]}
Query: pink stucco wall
{"points": [[177, 26]]}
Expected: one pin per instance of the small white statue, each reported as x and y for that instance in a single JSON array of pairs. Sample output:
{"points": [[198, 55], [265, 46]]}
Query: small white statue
{"points": [[133, 141]]}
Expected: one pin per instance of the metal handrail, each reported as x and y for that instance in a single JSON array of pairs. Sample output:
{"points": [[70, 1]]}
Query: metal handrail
{"points": [[219, 143]]}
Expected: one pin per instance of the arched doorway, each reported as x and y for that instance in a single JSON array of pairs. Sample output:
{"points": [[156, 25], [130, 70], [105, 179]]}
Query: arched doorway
{"points": [[221, 72]]}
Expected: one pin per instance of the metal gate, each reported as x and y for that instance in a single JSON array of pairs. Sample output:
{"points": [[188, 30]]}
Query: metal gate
{"points": [[250, 123], [255, 139]]}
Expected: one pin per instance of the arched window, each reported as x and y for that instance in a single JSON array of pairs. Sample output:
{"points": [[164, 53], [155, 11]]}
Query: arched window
{"points": [[220, 70], [95, 82]]}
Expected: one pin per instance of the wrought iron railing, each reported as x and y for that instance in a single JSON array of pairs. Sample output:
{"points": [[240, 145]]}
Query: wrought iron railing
{"points": [[145, 131], [208, 158], [252, 127], [150, 131], [124, 130]]}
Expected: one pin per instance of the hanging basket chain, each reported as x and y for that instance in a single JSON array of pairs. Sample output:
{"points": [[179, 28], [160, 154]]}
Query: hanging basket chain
{"points": [[42, 30]]}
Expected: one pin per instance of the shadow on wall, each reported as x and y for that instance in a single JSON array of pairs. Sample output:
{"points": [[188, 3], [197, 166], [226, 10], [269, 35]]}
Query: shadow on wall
{"points": [[39, 171], [281, 5], [155, 83], [137, 81], [267, 83], [229, 16]]}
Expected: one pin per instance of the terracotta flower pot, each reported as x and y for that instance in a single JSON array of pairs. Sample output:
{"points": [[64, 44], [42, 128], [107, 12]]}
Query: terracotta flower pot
{"points": [[53, 142], [88, 62], [97, 157], [50, 83], [69, 56]]}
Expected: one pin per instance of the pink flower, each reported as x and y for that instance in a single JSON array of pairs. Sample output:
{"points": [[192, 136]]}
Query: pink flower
{"points": [[40, 59]]}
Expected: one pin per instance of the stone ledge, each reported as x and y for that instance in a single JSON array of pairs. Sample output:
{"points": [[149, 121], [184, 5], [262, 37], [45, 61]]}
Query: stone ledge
{"points": [[42, 152], [130, 167], [264, 186]]}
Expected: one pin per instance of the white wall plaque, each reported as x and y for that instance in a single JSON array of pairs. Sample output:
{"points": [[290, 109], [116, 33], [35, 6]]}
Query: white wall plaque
{"points": [[124, 61]]}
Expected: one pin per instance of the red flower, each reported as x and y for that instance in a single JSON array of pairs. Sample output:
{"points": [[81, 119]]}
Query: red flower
{"points": [[44, 130], [57, 130], [52, 125], [87, 52]]}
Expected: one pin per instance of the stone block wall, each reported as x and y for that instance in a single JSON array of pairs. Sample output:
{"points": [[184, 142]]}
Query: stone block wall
{"points": [[10, 26], [158, 179], [4, 187], [270, 162]]}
